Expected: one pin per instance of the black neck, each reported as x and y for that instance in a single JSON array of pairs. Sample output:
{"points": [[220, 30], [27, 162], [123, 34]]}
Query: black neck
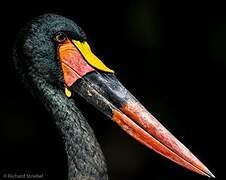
{"points": [[85, 158]]}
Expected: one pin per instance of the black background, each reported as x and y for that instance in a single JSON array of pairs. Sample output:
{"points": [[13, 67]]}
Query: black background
{"points": [[171, 56]]}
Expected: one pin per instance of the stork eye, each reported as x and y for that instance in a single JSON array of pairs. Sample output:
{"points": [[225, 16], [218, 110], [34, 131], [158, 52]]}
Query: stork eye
{"points": [[60, 37]]}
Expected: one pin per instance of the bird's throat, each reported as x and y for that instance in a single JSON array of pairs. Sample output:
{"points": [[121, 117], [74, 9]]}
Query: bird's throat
{"points": [[85, 158]]}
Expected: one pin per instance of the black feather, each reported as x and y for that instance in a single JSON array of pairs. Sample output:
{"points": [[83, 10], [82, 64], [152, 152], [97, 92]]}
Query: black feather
{"points": [[35, 57]]}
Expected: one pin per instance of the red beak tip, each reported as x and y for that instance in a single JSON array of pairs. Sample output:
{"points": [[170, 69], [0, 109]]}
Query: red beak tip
{"points": [[210, 175]]}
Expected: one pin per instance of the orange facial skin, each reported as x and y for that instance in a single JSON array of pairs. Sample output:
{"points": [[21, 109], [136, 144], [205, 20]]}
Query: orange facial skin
{"points": [[73, 64]]}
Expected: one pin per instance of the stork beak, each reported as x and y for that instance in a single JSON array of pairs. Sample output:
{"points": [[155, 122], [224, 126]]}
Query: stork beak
{"points": [[107, 94]]}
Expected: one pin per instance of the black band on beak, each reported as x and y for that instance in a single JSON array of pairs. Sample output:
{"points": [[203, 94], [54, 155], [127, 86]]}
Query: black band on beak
{"points": [[108, 95]]}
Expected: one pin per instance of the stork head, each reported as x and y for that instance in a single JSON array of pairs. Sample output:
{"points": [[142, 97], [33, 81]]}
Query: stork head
{"points": [[55, 49], [37, 46]]}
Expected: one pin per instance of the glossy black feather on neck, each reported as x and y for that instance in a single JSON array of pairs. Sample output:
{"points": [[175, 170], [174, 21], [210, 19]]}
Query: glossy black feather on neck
{"points": [[85, 158], [37, 65]]}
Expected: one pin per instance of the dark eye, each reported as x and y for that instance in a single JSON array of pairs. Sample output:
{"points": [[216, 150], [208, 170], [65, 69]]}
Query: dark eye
{"points": [[60, 37]]}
